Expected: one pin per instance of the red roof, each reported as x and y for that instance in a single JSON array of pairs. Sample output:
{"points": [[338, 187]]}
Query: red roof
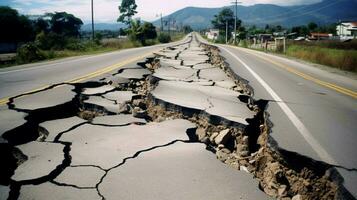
{"points": [[320, 34], [354, 24]]}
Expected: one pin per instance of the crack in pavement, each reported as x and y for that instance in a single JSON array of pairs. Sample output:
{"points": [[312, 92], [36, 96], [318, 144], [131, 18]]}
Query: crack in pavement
{"points": [[135, 155]]}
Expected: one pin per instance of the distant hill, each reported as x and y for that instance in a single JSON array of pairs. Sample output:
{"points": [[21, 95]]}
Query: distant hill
{"points": [[327, 11], [103, 26]]}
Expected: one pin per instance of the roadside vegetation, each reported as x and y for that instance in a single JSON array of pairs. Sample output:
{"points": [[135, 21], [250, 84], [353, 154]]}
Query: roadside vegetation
{"points": [[59, 35], [333, 53]]}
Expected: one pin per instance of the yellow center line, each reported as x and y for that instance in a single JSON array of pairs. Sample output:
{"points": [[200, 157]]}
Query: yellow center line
{"points": [[306, 76], [84, 77]]}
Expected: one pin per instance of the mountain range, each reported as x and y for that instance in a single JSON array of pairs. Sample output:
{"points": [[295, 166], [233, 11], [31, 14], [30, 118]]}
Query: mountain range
{"points": [[324, 12], [103, 26]]}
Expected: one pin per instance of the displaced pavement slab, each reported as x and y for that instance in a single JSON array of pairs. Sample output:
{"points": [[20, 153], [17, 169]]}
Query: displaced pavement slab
{"points": [[232, 110], [4, 192], [204, 66], [214, 74], [214, 100], [193, 62], [349, 180], [98, 90], [42, 158], [167, 54], [119, 96], [103, 103], [135, 73], [116, 80], [169, 62], [47, 98], [172, 74], [179, 171], [10, 119], [54, 127], [83, 177], [107, 146], [47, 191], [117, 120], [229, 84]]}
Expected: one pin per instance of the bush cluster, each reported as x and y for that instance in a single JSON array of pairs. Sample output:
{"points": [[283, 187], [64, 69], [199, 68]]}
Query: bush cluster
{"points": [[28, 53], [164, 38]]}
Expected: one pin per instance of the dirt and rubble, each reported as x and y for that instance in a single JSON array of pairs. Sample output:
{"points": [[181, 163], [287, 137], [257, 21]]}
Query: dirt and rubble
{"points": [[139, 100], [295, 177]]}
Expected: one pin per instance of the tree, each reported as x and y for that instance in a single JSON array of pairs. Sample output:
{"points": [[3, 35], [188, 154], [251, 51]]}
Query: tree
{"points": [[242, 33], [312, 26], [187, 29], [142, 32], [98, 37], [41, 25], [127, 9], [15, 27], [65, 24], [149, 31], [122, 31], [223, 17], [300, 30]]}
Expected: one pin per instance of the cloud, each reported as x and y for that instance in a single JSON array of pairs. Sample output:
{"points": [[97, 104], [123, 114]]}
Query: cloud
{"points": [[107, 10]]}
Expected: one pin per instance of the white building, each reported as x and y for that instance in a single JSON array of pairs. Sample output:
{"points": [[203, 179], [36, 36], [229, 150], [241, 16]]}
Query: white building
{"points": [[347, 29], [212, 34]]}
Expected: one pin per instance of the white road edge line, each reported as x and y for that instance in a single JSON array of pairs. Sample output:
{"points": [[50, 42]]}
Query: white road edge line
{"points": [[316, 146]]}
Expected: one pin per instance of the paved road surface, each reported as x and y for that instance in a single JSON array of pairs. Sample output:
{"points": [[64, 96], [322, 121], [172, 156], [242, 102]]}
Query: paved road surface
{"points": [[19, 79], [314, 112], [134, 151], [310, 114]]}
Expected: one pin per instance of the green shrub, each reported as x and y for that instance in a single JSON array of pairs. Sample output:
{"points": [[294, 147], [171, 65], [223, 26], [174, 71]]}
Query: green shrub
{"points": [[74, 44], [50, 41], [243, 43], [150, 42], [164, 38], [98, 37], [28, 53], [221, 39], [339, 58]]}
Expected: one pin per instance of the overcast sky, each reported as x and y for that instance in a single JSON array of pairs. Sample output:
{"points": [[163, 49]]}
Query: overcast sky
{"points": [[107, 10]]}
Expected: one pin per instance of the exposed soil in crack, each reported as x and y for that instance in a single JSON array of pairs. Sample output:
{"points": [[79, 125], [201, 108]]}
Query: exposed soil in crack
{"points": [[282, 174]]}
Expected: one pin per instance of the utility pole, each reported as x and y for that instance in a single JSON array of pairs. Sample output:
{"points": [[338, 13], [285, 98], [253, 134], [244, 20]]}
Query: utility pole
{"points": [[340, 29], [161, 22], [162, 26], [226, 31], [92, 20], [236, 2]]}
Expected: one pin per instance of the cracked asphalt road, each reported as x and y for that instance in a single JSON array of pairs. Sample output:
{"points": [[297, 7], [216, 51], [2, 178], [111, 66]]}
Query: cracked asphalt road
{"points": [[328, 116], [96, 140], [86, 141]]}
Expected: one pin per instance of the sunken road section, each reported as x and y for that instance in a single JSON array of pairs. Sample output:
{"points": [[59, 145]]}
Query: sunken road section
{"points": [[153, 130]]}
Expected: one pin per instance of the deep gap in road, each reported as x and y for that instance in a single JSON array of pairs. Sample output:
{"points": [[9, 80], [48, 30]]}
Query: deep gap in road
{"points": [[280, 173]]}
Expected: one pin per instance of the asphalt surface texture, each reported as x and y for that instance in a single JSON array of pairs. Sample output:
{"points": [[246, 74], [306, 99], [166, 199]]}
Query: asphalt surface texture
{"points": [[313, 112]]}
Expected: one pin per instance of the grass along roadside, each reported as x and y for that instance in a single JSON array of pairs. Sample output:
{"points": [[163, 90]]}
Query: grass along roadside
{"points": [[88, 48], [342, 56], [335, 54], [344, 59]]}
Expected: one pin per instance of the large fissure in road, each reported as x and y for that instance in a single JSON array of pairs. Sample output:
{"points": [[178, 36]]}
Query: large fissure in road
{"points": [[89, 139]]}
